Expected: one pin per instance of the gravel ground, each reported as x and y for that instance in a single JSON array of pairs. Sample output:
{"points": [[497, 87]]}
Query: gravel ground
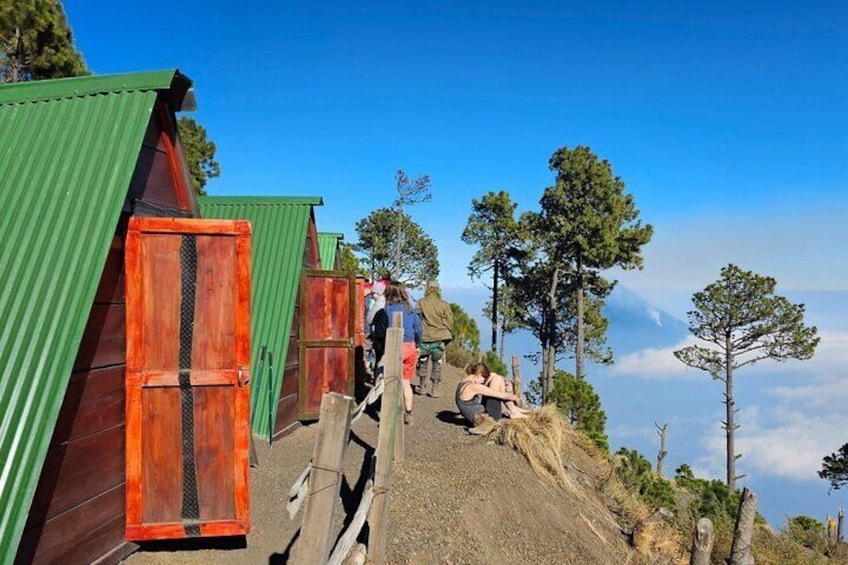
{"points": [[456, 499]]}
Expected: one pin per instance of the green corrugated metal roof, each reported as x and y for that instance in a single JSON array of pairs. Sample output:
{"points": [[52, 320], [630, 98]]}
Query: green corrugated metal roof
{"points": [[278, 243], [66, 160], [328, 244]]}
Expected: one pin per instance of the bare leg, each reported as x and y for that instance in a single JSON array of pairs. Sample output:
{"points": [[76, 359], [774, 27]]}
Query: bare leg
{"points": [[407, 395], [498, 383]]}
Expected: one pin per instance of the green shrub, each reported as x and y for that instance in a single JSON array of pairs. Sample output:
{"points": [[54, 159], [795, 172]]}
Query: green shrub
{"points": [[806, 531], [458, 356], [576, 400], [636, 473]]}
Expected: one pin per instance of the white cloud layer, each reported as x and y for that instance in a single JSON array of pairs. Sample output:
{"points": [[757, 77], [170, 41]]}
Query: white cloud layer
{"points": [[792, 426]]}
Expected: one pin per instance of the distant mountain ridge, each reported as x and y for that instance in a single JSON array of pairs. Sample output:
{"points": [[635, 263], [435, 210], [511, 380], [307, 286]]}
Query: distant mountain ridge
{"points": [[635, 324]]}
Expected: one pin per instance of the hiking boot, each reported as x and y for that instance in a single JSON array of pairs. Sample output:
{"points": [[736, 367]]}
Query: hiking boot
{"points": [[422, 388], [434, 390], [407, 418], [483, 424]]}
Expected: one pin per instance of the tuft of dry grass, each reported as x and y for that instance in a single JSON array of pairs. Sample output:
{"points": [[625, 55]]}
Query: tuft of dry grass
{"points": [[540, 438]]}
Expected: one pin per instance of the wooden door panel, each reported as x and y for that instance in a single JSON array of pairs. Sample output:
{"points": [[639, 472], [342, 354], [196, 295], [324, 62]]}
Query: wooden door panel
{"points": [[327, 322], [187, 410], [161, 312], [214, 348], [161, 454], [214, 427]]}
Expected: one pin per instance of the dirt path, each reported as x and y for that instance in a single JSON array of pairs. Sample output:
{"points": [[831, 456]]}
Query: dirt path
{"points": [[456, 500]]}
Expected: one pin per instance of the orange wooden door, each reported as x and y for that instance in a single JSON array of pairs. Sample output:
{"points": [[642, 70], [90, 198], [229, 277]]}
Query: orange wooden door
{"points": [[359, 328], [327, 321], [187, 391]]}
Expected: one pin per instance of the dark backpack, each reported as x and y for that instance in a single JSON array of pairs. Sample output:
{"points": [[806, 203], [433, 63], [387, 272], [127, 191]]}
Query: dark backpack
{"points": [[379, 325]]}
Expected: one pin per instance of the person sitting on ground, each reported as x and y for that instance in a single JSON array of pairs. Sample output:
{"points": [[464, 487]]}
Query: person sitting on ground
{"points": [[481, 404], [498, 382]]}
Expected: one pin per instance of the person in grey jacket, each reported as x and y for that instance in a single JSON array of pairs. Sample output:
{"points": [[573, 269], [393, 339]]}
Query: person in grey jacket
{"points": [[437, 327]]}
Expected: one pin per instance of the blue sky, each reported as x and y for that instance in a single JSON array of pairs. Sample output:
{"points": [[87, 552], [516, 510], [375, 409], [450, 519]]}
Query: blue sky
{"points": [[726, 120]]}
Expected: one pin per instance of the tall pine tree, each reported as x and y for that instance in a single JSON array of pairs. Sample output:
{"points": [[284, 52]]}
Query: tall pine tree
{"points": [[493, 227], [743, 322], [36, 42], [588, 224]]}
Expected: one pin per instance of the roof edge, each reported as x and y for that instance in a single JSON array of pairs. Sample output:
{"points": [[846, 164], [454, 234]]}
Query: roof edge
{"points": [[259, 200], [177, 84], [337, 235]]}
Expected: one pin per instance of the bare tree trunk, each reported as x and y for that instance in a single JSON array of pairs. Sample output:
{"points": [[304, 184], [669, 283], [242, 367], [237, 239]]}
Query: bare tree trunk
{"points": [[740, 551], [840, 528], [662, 452], [15, 59], [503, 339], [702, 542], [398, 243], [578, 354], [551, 331], [495, 309], [730, 425]]}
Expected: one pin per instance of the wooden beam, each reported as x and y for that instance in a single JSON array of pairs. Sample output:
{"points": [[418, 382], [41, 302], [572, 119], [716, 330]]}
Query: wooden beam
{"points": [[325, 479], [390, 428], [396, 355]]}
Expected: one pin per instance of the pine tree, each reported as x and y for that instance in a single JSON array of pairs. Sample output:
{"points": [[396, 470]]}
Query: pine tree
{"points": [[36, 42], [745, 323], [378, 245], [199, 152], [835, 468], [588, 224], [493, 227]]}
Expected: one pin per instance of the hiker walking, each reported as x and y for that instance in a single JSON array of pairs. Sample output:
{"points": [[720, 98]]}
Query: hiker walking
{"points": [[397, 300], [437, 327]]}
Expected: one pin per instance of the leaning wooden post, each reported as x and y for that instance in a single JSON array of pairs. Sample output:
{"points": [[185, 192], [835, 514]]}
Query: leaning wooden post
{"points": [[396, 355], [516, 379], [831, 531], [740, 550], [325, 478], [378, 520], [702, 542]]}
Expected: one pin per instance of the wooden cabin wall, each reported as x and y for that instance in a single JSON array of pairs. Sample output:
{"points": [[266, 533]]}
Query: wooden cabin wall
{"points": [[158, 178], [77, 514], [286, 420]]}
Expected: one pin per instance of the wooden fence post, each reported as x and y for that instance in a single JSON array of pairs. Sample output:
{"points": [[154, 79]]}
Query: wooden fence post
{"points": [[400, 448], [702, 543], [390, 426], [516, 379], [325, 478], [740, 550], [840, 526]]}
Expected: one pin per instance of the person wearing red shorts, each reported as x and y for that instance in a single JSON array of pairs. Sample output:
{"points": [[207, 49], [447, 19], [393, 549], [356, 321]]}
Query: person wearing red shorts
{"points": [[397, 300]]}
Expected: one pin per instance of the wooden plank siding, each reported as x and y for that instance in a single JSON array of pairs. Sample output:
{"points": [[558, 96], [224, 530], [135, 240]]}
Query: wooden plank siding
{"points": [[286, 421], [77, 513]]}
